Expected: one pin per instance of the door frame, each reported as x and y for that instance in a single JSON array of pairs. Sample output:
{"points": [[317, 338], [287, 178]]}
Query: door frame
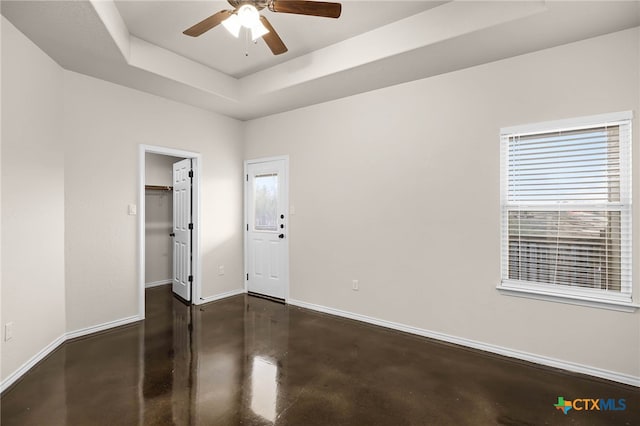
{"points": [[284, 158], [196, 266]]}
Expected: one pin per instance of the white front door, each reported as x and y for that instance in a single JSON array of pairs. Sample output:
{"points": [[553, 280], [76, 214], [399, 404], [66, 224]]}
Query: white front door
{"points": [[182, 226], [267, 260]]}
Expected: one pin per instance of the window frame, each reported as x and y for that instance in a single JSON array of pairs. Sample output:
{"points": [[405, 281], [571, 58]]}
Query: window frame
{"points": [[622, 301]]}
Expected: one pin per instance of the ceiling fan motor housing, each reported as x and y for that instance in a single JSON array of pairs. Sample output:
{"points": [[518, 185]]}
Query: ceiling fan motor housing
{"points": [[258, 4]]}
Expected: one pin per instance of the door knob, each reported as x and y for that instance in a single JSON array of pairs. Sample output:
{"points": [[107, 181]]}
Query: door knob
{"points": [[281, 236]]}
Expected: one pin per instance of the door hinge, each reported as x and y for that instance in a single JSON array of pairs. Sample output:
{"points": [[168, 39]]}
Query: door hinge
{"points": [[247, 178], [191, 226], [247, 277], [190, 278], [247, 226], [190, 173]]}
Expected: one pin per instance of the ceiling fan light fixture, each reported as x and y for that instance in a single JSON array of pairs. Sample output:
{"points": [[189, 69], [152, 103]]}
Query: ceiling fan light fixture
{"points": [[232, 24], [248, 15], [258, 31]]}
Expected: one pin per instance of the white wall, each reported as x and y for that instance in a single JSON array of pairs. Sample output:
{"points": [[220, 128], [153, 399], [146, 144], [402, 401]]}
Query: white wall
{"points": [[2, 374], [158, 218], [33, 281], [399, 188], [69, 170], [104, 125]]}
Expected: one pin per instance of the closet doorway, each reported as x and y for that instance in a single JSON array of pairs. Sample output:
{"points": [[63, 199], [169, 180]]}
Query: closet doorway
{"points": [[160, 224], [158, 219]]}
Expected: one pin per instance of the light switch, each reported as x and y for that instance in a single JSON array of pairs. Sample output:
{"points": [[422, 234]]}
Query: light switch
{"points": [[133, 210], [8, 331], [292, 209]]}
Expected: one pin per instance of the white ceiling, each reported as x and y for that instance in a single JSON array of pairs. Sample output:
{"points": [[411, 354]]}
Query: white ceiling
{"points": [[162, 23], [373, 45]]}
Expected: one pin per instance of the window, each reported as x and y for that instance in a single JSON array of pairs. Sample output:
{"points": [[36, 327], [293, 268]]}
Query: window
{"points": [[266, 202], [566, 209]]}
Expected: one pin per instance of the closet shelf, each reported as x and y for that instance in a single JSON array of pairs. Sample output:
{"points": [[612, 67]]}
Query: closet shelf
{"points": [[158, 188]]}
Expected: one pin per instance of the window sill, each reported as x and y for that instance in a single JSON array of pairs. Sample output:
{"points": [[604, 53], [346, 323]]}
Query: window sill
{"points": [[570, 299]]}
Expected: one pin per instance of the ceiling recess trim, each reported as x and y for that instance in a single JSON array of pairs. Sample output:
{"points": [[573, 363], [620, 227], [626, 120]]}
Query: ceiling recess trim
{"points": [[445, 22], [155, 59]]}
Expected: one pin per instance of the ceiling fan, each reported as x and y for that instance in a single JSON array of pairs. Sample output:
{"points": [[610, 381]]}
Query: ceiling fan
{"points": [[246, 13]]}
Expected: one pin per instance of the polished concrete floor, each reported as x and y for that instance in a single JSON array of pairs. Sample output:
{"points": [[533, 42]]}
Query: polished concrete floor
{"points": [[249, 361]]}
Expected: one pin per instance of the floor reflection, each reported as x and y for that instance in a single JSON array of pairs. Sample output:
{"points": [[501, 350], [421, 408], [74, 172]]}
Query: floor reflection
{"points": [[216, 364], [249, 361], [264, 388]]}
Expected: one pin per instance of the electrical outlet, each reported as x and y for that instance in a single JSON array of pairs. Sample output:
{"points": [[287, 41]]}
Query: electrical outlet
{"points": [[8, 331], [221, 270], [355, 285]]}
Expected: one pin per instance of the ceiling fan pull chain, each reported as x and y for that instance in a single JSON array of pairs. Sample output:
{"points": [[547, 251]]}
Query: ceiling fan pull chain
{"points": [[246, 43]]}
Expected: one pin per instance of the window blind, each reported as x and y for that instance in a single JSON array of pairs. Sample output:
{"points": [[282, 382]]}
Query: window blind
{"points": [[566, 206]]}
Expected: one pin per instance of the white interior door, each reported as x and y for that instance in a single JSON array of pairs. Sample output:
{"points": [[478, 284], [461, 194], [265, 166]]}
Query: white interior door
{"points": [[267, 260], [182, 227]]}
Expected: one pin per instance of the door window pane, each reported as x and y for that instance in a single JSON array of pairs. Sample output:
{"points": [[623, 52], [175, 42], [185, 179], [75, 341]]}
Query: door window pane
{"points": [[266, 202]]}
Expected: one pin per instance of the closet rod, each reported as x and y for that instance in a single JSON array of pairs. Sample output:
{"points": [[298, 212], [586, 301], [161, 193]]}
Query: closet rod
{"points": [[159, 188]]}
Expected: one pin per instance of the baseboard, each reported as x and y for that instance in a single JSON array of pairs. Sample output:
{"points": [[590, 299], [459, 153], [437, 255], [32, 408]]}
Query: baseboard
{"points": [[511, 353], [24, 368], [157, 283], [526, 356], [13, 377], [221, 296], [101, 327]]}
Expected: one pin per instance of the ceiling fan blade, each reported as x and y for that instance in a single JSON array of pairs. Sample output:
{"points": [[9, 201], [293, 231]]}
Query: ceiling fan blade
{"points": [[272, 38], [312, 8], [208, 23]]}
